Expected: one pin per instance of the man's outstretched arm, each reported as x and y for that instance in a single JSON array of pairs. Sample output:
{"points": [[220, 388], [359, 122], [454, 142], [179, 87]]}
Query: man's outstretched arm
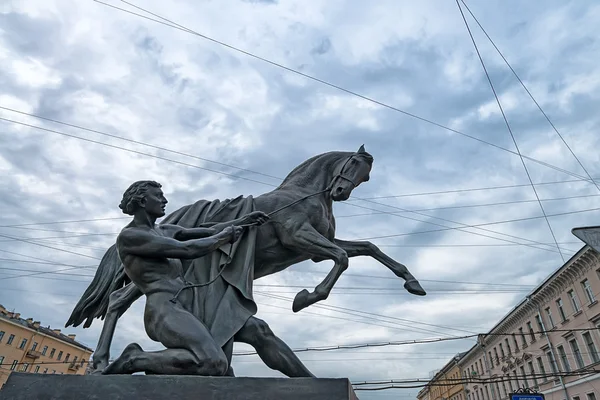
{"points": [[204, 230], [144, 244]]}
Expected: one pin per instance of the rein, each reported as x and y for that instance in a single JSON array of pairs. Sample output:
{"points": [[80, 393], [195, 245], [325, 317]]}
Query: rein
{"points": [[329, 187]]}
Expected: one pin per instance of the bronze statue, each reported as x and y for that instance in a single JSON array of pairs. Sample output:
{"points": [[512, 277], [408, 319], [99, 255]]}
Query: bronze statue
{"points": [[301, 226]]}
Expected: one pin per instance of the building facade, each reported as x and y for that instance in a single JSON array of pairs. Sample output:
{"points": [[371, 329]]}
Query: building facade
{"points": [[548, 342], [26, 346], [446, 384]]}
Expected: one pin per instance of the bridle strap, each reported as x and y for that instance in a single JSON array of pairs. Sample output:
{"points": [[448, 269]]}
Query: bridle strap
{"points": [[341, 173]]}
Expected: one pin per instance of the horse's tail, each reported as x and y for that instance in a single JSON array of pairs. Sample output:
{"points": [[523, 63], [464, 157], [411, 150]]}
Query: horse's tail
{"points": [[109, 277]]}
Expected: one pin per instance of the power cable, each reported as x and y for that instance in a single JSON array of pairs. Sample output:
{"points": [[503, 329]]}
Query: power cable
{"points": [[501, 187], [486, 224], [503, 203], [531, 96], [49, 247], [349, 200], [184, 29], [509, 129], [135, 151], [138, 142]]}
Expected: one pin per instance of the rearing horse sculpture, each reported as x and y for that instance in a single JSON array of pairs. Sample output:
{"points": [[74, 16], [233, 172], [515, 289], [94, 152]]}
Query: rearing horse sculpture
{"points": [[303, 228]]}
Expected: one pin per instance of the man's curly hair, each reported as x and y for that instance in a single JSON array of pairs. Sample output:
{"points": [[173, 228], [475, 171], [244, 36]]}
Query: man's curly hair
{"points": [[135, 194]]}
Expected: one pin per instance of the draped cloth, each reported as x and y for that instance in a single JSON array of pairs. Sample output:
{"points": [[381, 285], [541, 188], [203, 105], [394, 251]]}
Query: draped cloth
{"points": [[225, 305]]}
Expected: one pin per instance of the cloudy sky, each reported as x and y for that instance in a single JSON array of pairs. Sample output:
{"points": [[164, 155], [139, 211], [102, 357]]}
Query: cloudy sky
{"points": [[235, 124]]}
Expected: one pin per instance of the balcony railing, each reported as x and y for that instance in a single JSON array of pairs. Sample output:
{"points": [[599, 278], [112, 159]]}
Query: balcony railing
{"points": [[33, 354]]}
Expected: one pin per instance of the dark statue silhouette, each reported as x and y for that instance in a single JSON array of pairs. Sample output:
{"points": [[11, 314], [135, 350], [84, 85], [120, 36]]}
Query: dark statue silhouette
{"points": [[290, 224]]}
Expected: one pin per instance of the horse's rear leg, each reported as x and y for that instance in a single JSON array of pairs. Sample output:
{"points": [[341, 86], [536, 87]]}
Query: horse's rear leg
{"points": [[354, 249], [119, 301]]}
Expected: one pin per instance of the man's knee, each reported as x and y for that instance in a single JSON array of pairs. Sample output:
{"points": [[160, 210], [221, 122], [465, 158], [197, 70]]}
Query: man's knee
{"points": [[212, 360], [258, 330], [217, 366]]}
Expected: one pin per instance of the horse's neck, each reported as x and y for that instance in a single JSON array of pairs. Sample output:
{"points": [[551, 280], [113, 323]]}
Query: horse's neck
{"points": [[314, 174]]}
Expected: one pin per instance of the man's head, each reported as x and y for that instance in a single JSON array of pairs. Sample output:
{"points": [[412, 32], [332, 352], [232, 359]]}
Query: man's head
{"points": [[144, 195]]}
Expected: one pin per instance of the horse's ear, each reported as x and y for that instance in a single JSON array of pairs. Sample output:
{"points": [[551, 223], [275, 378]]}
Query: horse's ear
{"points": [[361, 149]]}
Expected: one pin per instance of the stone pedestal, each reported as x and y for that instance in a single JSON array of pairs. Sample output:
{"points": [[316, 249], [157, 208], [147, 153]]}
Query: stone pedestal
{"points": [[27, 386]]}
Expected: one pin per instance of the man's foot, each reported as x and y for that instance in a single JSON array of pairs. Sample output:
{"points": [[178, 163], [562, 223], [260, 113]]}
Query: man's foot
{"points": [[413, 286], [99, 365], [124, 364]]}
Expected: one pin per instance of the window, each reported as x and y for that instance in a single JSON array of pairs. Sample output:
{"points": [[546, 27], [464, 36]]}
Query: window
{"points": [[552, 362], [561, 310], [35, 344], [563, 358], [591, 347], [549, 314], [576, 398], [480, 365], [502, 350], [14, 365], [10, 339], [507, 346], [515, 342], [524, 375], [540, 325], [523, 341], [576, 353], [23, 344], [532, 373], [67, 357], [52, 353], [574, 301], [497, 358], [491, 360], [531, 333], [1, 359], [46, 371], [44, 350], [24, 367], [498, 395], [60, 353], [37, 369], [588, 290], [591, 396], [1, 336]]}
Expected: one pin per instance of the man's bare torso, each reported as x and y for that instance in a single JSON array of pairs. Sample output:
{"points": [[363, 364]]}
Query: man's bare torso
{"points": [[152, 274]]}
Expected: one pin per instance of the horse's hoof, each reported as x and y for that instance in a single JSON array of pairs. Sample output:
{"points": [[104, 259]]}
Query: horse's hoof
{"points": [[300, 301], [413, 286]]}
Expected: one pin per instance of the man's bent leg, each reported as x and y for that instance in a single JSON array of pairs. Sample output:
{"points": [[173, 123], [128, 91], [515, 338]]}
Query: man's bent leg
{"points": [[191, 349], [272, 350]]}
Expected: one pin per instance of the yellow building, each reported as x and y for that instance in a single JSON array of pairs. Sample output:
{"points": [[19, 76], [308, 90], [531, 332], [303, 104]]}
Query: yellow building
{"points": [[446, 384], [26, 346]]}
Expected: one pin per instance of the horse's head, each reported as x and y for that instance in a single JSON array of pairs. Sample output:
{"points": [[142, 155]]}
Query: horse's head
{"points": [[350, 173]]}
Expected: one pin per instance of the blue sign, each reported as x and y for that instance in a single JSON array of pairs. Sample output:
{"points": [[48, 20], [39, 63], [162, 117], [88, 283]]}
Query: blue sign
{"points": [[527, 396]]}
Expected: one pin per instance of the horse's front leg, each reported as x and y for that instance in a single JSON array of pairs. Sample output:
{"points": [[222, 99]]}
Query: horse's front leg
{"points": [[119, 301], [308, 240], [354, 249]]}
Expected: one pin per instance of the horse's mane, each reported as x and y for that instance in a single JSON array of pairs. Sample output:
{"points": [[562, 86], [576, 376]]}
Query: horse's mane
{"points": [[323, 158]]}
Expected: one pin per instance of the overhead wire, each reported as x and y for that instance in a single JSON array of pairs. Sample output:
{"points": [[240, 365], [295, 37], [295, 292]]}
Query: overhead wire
{"points": [[509, 129], [531, 96], [135, 151], [500, 187], [139, 142], [163, 158], [185, 29]]}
